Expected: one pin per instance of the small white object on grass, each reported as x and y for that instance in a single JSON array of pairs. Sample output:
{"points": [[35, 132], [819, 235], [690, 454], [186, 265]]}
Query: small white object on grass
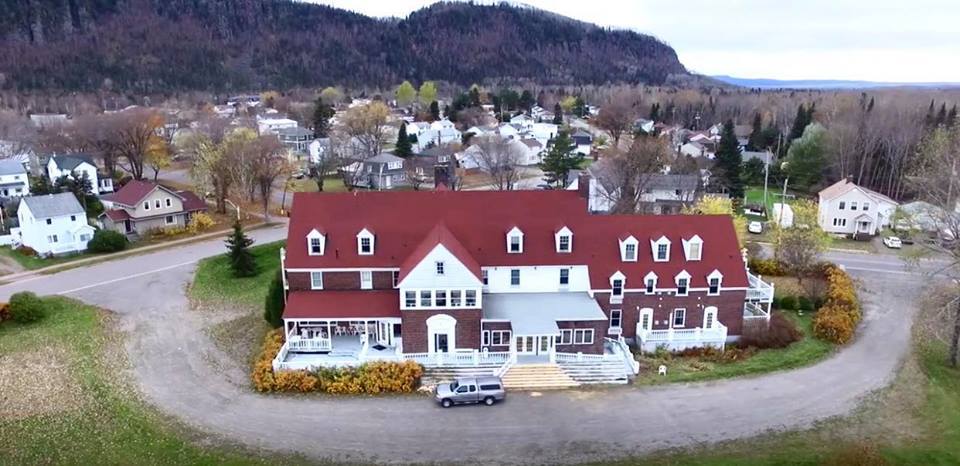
{"points": [[662, 370]]}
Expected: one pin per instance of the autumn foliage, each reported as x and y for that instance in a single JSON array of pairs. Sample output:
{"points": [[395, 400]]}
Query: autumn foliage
{"points": [[837, 320]]}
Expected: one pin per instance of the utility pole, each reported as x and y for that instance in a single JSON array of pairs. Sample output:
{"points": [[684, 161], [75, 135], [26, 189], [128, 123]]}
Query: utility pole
{"points": [[955, 341], [766, 178]]}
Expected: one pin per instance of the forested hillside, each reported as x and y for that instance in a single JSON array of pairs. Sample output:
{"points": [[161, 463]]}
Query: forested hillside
{"points": [[169, 45]]}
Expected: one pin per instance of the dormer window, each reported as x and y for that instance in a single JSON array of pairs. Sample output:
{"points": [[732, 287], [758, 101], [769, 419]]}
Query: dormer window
{"points": [[713, 283], [650, 283], [617, 284], [564, 239], [515, 241], [365, 243], [693, 248], [661, 249], [628, 249], [316, 242], [683, 283]]}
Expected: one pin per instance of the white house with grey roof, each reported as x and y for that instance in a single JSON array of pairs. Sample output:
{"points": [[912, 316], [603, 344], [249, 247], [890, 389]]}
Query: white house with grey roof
{"points": [[14, 181], [73, 165], [54, 224]]}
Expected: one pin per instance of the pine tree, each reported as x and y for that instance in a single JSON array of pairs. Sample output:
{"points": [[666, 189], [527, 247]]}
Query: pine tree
{"points": [[558, 114], [474, 96], [273, 307], [755, 142], [931, 119], [404, 147], [655, 112], [322, 113], [952, 116], [580, 107], [238, 246], [800, 122], [729, 161], [942, 115], [434, 110], [560, 160], [526, 100]]}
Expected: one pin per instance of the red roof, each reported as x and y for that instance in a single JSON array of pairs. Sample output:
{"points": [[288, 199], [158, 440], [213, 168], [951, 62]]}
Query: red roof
{"points": [[440, 234], [136, 190], [480, 220], [117, 215], [342, 304], [192, 202]]}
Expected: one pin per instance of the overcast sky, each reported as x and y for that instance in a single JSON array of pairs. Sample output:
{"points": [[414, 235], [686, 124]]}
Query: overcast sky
{"points": [[876, 40]]}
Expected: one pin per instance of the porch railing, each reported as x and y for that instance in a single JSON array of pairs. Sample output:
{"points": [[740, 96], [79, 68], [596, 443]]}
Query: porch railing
{"points": [[310, 344], [759, 290], [755, 311], [620, 345], [679, 338], [458, 358], [278, 361]]}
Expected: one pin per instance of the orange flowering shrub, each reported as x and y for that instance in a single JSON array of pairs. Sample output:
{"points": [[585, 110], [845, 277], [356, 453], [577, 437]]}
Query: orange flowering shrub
{"points": [[4, 312], [767, 267], [837, 320]]}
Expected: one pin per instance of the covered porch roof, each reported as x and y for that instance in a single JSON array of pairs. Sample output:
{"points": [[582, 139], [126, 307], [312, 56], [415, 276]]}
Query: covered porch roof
{"points": [[342, 305], [538, 313]]}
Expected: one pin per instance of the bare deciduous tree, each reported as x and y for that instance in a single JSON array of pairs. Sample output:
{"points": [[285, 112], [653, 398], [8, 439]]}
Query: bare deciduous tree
{"points": [[367, 127], [498, 157], [625, 175], [616, 118]]}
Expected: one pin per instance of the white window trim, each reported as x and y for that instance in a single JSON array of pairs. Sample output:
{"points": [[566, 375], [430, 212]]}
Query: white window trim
{"points": [[564, 233], [623, 249], [519, 277], [620, 318], [584, 332], [560, 278], [565, 337], [617, 298], [647, 278], [719, 277], [366, 284], [673, 318], [655, 248], [396, 278], [313, 282], [514, 233], [365, 234], [416, 299], [314, 234], [707, 311], [683, 275], [688, 248], [505, 337], [440, 268]]}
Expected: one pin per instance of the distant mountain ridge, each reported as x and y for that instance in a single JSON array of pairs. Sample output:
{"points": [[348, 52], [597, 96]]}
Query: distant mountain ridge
{"points": [[762, 83], [224, 45]]}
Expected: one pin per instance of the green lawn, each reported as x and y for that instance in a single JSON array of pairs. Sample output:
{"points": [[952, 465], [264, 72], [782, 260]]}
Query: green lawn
{"points": [[214, 280], [331, 184], [35, 262], [107, 423], [802, 353]]}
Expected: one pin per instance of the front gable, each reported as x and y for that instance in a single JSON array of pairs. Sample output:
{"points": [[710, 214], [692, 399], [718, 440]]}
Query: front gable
{"points": [[424, 273]]}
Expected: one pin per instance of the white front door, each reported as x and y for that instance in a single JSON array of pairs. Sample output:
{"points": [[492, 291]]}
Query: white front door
{"points": [[646, 319], [526, 344]]}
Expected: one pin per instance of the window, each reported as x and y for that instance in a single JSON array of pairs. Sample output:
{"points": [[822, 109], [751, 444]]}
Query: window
{"points": [[565, 337], [564, 244], [583, 336], [156, 204], [490, 387], [410, 298], [315, 243], [616, 317], [839, 222], [651, 285], [679, 317], [843, 205], [694, 254], [486, 338], [662, 250], [515, 244], [365, 242], [500, 337], [366, 246], [49, 221], [396, 278], [682, 284], [645, 320], [564, 277], [441, 298], [514, 277], [714, 286], [708, 318], [85, 237], [146, 205], [52, 239], [630, 252], [866, 206], [853, 205], [426, 298], [471, 298], [440, 267], [515, 241], [617, 287], [316, 280], [564, 240], [169, 220], [366, 280], [169, 202], [73, 218], [483, 274], [314, 246], [455, 298]]}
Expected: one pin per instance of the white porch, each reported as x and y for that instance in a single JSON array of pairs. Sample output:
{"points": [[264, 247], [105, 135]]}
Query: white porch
{"points": [[312, 343], [678, 339], [759, 298]]}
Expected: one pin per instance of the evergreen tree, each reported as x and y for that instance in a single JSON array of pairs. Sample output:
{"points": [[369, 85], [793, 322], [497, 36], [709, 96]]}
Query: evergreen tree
{"points": [[434, 110], [41, 185], [238, 246], [942, 115], [931, 119], [580, 107], [755, 142], [273, 307], [560, 160], [526, 100], [322, 113], [404, 147], [952, 116], [655, 112], [558, 114], [800, 122], [474, 96], [805, 160], [729, 161]]}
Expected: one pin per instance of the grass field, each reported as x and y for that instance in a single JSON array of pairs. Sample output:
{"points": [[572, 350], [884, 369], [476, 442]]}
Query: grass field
{"points": [[36, 262], [679, 369], [65, 400], [214, 280]]}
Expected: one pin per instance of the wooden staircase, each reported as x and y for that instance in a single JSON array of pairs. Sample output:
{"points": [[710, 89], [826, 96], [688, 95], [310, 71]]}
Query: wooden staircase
{"points": [[544, 376]]}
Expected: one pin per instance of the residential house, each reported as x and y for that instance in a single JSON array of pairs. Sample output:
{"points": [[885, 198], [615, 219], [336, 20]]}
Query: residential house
{"points": [[318, 149], [384, 171], [73, 165], [47, 120], [766, 156], [533, 278], [533, 153], [523, 121], [274, 125], [53, 224], [583, 140], [847, 209], [645, 125], [544, 132], [142, 206], [696, 149], [661, 193], [14, 181], [436, 133]]}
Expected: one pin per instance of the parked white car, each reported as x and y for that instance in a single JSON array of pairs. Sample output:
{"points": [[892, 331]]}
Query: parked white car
{"points": [[893, 242], [755, 227]]}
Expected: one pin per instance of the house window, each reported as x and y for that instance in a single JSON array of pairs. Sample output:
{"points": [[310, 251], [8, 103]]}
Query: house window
{"points": [[439, 267], [73, 218], [694, 251], [471, 298], [515, 244], [616, 317], [617, 287], [396, 278], [843, 205], [565, 337], [650, 285], [483, 274], [500, 337], [645, 320], [714, 286], [486, 338], [156, 203], [682, 286], [85, 237], [170, 220], [866, 206], [315, 246], [366, 280], [316, 280], [679, 317], [630, 252], [514, 277], [708, 320], [662, 252], [426, 298], [169, 202], [441, 298], [454, 298], [410, 298], [52, 239], [366, 246], [49, 221], [853, 205], [583, 336], [146, 205], [564, 277], [565, 243]]}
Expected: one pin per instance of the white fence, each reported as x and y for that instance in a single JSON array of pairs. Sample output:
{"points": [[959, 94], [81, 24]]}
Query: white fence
{"points": [[310, 344], [620, 346], [674, 339], [759, 290]]}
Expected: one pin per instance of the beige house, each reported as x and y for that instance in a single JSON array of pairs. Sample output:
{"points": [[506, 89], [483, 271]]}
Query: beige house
{"points": [[141, 206]]}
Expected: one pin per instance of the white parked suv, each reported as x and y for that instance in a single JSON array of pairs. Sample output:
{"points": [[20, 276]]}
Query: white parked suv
{"points": [[893, 242], [755, 227]]}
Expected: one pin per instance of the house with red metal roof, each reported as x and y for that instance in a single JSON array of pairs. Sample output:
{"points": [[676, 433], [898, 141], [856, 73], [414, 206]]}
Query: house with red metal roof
{"points": [[141, 206], [502, 278]]}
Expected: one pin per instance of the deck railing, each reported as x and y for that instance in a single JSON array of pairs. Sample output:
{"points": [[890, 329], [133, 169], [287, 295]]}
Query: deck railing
{"points": [[754, 311], [759, 290], [310, 344], [680, 338], [620, 345], [458, 358]]}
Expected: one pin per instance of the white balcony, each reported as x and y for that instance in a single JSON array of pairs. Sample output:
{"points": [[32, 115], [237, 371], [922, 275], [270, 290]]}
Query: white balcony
{"points": [[677, 339], [756, 311], [759, 291]]}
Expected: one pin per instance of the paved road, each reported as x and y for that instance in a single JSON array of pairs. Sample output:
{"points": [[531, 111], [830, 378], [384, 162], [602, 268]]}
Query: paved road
{"points": [[184, 374]]}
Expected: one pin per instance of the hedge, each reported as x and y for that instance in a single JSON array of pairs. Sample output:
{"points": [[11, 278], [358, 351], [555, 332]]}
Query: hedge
{"points": [[768, 267], [837, 320], [370, 378], [26, 307], [788, 303], [107, 241]]}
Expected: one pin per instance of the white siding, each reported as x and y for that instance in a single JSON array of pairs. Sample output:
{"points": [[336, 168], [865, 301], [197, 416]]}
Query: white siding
{"points": [[536, 279], [35, 232], [424, 274]]}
